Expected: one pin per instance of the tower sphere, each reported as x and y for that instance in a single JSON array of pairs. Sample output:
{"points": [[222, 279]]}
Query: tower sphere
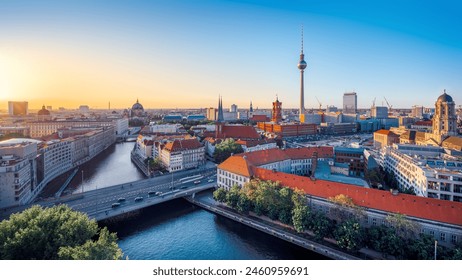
{"points": [[302, 64]]}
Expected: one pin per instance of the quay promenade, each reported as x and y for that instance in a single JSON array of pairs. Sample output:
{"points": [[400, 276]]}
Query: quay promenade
{"points": [[206, 201]]}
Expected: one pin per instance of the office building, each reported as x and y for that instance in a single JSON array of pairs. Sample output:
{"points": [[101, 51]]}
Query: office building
{"points": [[379, 112], [18, 108], [350, 103]]}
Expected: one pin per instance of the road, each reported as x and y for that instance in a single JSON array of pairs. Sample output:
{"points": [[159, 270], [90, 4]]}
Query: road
{"points": [[99, 203]]}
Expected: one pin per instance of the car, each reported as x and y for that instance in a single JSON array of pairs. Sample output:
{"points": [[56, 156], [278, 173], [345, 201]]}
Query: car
{"points": [[197, 182], [158, 193], [138, 199], [152, 193], [121, 199], [210, 181], [115, 205]]}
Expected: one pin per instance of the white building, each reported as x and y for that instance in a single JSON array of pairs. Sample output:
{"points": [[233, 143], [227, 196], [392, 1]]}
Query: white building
{"points": [[121, 126], [43, 128], [164, 128], [426, 170], [18, 178], [55, 158], [236, 169], [257, 145], [440, 219], [182, 154]]}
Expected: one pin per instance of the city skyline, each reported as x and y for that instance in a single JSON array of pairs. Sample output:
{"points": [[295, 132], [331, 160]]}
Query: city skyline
{"points": [[183, 55]]}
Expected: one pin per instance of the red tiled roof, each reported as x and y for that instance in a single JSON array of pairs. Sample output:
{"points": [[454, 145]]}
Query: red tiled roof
{"points": [[237, 165], [238, 132], [300, 153], [258, 158], [180, 145], [414, 206], [259, 118]]}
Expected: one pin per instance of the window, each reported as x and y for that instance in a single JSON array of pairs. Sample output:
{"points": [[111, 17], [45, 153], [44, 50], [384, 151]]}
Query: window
{"points": [[454, 239], [443, 236]]}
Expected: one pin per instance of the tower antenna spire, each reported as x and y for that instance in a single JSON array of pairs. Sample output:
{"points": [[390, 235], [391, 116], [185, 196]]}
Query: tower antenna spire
{"points": [[302, 39]]}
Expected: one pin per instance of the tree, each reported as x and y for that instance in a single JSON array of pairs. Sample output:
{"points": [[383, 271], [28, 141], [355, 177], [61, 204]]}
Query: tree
{"points": [[244, 205], [232, 196], [300, 218], [220, 194], [224, 150], [408, 191], [344, 209], [404, 227], [155, 164], [40, 233], [421, 248], [320, 225], [298, 198], [105, 248], [349, 235]]}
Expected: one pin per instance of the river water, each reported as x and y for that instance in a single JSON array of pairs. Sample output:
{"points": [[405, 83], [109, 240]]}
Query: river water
{"points": [[178, 230]]}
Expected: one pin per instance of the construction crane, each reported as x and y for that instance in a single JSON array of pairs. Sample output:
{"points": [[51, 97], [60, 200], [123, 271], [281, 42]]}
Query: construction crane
{"points": [[320, 105], [389, 106]]}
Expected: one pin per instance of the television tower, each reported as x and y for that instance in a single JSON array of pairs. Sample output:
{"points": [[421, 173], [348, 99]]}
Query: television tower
{"points": [[302, 65]]}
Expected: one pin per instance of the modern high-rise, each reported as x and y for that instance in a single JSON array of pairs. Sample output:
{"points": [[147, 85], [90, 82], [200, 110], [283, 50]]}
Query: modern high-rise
{"points": [[350, 103], [233, 108], [18, 108], [302, 65]]}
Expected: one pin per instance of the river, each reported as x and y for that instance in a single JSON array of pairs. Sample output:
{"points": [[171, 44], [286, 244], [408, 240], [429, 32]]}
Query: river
{"points": [[178, 230]]}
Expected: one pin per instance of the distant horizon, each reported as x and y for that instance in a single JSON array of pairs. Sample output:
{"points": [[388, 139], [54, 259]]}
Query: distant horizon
{"points": [[178, 54], [204, 108]]}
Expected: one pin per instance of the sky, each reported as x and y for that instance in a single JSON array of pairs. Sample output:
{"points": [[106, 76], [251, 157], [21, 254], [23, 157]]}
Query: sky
{"points": [[185, 53]]}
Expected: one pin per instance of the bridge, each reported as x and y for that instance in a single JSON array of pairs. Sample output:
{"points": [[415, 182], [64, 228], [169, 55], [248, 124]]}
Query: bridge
{"points": [[120, 199]]}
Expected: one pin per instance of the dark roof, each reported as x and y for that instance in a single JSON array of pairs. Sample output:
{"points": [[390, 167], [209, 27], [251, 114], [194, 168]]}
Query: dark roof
{"points": [[408, 135], [444, 98], [43, 112]]}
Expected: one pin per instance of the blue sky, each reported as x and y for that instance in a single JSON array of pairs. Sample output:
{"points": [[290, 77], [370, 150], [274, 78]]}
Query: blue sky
{"points": [[180, 54]]}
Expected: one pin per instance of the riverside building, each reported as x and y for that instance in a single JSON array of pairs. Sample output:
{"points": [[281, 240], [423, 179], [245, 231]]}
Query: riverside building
{"points": [[438, 218]]}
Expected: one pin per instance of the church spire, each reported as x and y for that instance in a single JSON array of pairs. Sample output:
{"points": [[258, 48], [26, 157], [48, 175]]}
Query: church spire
{"points": [[220, 117]]}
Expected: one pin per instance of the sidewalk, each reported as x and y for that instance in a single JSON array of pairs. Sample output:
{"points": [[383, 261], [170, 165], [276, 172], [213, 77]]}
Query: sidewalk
{"points": [[286, 232]]}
